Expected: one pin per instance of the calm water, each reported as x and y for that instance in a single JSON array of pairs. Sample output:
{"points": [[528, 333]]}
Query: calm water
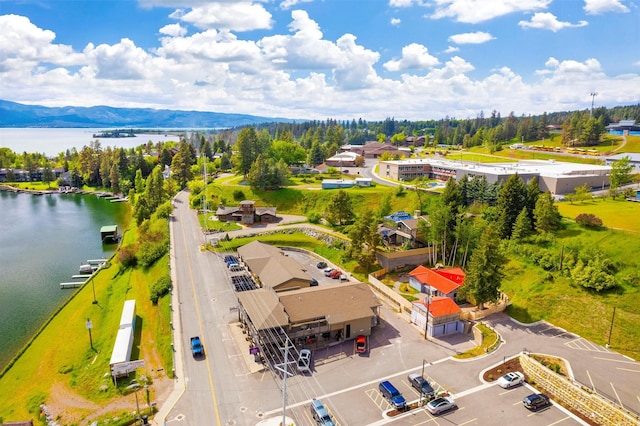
{"points": [[43, 241], [53, 141]]}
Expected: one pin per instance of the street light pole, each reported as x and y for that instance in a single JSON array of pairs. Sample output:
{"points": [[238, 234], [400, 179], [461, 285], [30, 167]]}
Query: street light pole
{"points": [[135, 386]]}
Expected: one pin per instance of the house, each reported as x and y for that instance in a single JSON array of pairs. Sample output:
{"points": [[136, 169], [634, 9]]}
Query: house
{"points": [[247, 213], [272, 267], [405, 231], [443, 314], [437, 282]]}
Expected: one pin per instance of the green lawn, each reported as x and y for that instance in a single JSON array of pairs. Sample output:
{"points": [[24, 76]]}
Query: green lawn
{"points": [[537, 294], [619, 214]]}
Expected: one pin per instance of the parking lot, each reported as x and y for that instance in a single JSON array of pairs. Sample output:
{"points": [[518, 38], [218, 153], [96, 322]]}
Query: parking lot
{"points": [[347, 382]]}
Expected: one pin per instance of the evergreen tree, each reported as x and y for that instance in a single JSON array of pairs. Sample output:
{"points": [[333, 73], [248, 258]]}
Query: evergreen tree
{"points": [[533, 192], [522, 227], [316, 156], [339, 210], [364, 241], [546, 214], [451, 196], [247, 149], [181, 165], [485, 273], [511, 200]]}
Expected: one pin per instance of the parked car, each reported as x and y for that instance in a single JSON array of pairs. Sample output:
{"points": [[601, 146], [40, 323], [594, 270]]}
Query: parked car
{"points": [[361, 344], [313, 282], [304, 361], [321, 265], [421, 385], [440, 405], [328, 271], [343, 277], [320, 414], [536, 400], [393, 395], [511, 379], [335, 274]]}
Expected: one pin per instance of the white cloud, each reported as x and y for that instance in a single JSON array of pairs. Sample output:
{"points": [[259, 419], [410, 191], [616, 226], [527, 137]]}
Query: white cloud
{"points": [[299, 74], [234, 16], [451, 49], [406, 3], [23, 45], [121, 61], [173, 30], [596, 7], [305, 49], [395, 21], [475, 11], [548, 21], [287, 4], [414, 56], [477, 37]]}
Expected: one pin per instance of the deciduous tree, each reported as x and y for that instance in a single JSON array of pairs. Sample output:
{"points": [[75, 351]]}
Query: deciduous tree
{"points": [[339, 210]]}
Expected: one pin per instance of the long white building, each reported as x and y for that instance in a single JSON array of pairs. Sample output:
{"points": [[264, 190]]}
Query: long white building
{"points": [[554, 176]]}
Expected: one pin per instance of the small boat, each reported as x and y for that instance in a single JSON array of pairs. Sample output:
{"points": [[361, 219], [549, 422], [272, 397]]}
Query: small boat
{"points": [[87, 269]]}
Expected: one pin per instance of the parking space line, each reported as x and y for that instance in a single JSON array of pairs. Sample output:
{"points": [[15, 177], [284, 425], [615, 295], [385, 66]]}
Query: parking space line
{"points": [[617, 396], [589, 376], [559, 421], [628, 369], [615, 360], [467, 422]]}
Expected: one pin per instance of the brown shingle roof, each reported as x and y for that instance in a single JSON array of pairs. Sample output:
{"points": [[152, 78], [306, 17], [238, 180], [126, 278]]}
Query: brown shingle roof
{"points": [[264, 308], [271, 266], [336, 302]]}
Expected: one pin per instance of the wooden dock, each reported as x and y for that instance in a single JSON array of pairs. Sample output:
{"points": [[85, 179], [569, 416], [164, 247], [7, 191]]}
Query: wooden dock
{"points": [[73, 284]]}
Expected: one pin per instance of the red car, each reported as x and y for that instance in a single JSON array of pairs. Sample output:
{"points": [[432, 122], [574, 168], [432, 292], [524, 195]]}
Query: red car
{"points": [[361, 344], [335, 274]]}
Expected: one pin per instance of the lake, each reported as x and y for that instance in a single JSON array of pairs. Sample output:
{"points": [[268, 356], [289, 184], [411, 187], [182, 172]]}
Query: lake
{"points": [[43, 241], [53, 141]]}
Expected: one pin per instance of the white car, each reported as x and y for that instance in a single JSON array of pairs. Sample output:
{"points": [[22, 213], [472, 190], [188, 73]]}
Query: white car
{"points": [[440, 405], [304, 361], [511, 379]]}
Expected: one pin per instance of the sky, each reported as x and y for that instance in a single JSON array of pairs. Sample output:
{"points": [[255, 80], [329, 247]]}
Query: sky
{"points": [[320, 59]]}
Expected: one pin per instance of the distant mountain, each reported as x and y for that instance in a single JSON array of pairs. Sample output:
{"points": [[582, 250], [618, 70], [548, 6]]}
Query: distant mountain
{"points": [[13, 114]]}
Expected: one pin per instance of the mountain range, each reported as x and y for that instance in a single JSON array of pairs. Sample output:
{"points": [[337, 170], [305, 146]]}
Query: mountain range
{"points": [[13, 114]]}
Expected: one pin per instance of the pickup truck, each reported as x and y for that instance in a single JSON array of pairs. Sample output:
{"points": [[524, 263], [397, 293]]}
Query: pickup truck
{"points": [[196, 347]]}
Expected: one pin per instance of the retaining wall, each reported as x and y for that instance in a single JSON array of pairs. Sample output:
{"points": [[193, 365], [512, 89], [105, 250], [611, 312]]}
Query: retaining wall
{"points": [[573, 395]]}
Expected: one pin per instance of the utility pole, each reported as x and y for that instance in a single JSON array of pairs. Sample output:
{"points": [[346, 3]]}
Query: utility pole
{"points": [[611, 328], [593, 98], [89, 325]]}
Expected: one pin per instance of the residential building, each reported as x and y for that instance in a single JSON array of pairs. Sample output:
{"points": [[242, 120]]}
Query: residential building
{"points": [[437, 282], [247, 213]]}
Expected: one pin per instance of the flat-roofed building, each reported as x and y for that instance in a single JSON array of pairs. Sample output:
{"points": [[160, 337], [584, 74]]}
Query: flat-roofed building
{"points": [[554, 176]]}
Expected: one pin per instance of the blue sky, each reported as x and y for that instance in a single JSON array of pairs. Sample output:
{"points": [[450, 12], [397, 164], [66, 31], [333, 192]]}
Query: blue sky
{"points": [[318, 59]]}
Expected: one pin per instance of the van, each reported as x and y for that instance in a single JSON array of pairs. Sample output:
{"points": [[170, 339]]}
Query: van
{"points": [[320, 414], [393, 395]]}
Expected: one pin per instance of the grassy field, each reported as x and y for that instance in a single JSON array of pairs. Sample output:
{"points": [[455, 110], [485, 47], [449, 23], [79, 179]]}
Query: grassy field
{"points": [[60, 360], [617, 214], [537, 294]]}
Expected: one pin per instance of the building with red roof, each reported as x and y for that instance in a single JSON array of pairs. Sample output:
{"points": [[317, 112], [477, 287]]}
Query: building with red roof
{"points": [[437, 282], [444, 316]]}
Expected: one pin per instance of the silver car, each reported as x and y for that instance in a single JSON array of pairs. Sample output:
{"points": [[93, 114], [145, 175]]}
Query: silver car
{"points": [[440, 405]]}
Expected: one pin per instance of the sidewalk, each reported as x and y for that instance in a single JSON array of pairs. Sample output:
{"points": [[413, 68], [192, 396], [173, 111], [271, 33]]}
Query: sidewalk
{"points": [[178, 363], [243, 346]]}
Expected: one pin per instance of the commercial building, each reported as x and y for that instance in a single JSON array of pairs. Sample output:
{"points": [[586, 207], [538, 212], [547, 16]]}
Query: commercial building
{"points": [[634, 160], [554, 176]]}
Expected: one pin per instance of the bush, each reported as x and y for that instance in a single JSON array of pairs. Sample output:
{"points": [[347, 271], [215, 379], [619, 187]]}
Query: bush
{"points": [[588, 220], [164, 210], [127, 257], [238, 195], [314, 217], [160, 288], [149, 252]]}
